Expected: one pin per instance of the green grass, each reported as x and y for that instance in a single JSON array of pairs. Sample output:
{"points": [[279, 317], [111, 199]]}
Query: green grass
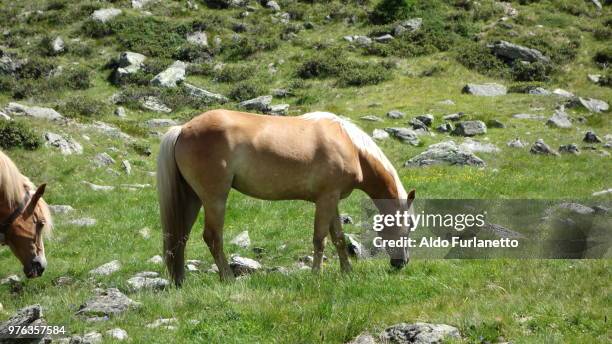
{"points": [[530, 301]]}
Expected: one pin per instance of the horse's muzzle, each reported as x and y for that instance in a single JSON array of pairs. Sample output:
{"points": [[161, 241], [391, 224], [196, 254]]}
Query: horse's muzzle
{"points": [[398, 263], [36, 269]]}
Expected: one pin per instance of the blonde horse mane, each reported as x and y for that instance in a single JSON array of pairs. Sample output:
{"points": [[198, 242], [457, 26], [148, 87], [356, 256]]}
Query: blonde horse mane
{"points": [[364, 143], [12, 188]]}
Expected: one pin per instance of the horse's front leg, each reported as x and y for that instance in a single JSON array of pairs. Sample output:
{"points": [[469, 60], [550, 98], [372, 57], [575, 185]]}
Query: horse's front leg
{"points": [[324, 214], [337, 236], [214, 218]]}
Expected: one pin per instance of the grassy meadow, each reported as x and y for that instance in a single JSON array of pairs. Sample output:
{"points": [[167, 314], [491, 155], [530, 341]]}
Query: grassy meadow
{"points": [[521, 301]]}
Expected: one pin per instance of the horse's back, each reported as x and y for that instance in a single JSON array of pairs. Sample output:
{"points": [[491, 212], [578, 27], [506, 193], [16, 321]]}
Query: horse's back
{"points": [[266, 156]]}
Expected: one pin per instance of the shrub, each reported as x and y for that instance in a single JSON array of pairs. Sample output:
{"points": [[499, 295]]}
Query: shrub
{"points": [[478, 57], [77, 78], [603, 57], [233, 73], [247, 90], [96, 29], [536, 71], [150, 36], [243, 47], [84, 106], [606, 79], [35, 68], [17, 134], [388, 11], [363, 74], [603, 33], [193, 53]]}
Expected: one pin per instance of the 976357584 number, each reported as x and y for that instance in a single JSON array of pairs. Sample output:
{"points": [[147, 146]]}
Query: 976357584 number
{"points": [[33, 331]]}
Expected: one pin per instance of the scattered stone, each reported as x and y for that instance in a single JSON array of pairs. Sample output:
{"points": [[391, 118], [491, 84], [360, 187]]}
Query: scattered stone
{"points": [[168, 324], [539, 91], [364, 338], [540, 147], [5, 117], [117, 333], [58, 46], [602, 192], [105, 14], [563, 93], [120, 112], [494, 123], [205, 95], [446, 102], [426, 119], [198, 38], [279, 110], [107, 129], [594, 78], [281, 93], [91, 338], [261, 104], [147, 282], [103, 159], [395, 114], [172, 76], [410, 25], [128, 63], [346, 219], [16, 109], [63, 281], [371, 118], [145, 232], [60, 209], [512, 52], [597, 4], [594, 105], [242, 239], [559, 119], [156, 259], [106, 269], [419, 333], [470, 128], [153, 103], [446, 152], [528, 116], [83, 222], [405, 135], [67, 146], [12, 279], [96, 187], [516, 143], [478, 147], [106, 303], [273, 5], [127, 167], [453, 116], [353, 246], [591, 137], [485, 90], [27, 316], [445, 128], [243, 266], [418, 125], [384, 38], [379, 134], [160, 122], [569, 149]]}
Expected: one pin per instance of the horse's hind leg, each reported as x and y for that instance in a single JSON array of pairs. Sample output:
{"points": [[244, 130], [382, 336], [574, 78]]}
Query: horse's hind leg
{"points": [[214, 217], [337, 236], [325, 210]]}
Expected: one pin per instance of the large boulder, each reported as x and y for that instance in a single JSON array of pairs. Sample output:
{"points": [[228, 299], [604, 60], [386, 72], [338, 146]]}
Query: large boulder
{"points": [[470, 128], [28, 316], [485, 90], [559, 119], [105, 14], [512, 52], [106, 303], [16, 109], [261, 104], [67, 146], [405, 135], [446, 152], [593, 105], [172, 76], [128, 63], [204, 95]]}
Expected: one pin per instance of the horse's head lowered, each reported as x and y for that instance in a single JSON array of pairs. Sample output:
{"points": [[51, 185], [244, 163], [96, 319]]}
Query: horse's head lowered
{"points": [[398, 232], [21, 229]]}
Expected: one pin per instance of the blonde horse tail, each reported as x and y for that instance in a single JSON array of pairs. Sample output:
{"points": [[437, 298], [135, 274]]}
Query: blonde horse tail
{"points": [[178, 206]]}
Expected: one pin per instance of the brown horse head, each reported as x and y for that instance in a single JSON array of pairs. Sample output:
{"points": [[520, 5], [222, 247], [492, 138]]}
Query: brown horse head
{"points": [[22, 231]]}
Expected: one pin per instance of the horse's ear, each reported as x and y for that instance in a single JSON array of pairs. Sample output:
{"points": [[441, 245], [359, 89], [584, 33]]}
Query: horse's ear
{"points": [[38, 194], [411, 194]]}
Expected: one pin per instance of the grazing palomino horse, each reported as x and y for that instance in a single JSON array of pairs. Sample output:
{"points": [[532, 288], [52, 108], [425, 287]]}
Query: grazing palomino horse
{"points": [[317, 157], [24, 218]]}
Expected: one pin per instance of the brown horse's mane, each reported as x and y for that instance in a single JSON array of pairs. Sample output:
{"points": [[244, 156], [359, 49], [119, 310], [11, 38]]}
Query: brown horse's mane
{"points": [[13, 186]]}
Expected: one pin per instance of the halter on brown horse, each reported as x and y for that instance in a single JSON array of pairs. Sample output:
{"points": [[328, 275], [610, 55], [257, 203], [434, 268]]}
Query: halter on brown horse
{"points": [[317, 157], [24, 218]]}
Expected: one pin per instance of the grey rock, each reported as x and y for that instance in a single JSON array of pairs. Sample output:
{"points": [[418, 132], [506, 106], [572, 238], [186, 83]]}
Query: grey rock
{"points": [[166, 323], [63, 281], [478, 147], [261, 104], [117, 333], [120, 112], [569, 149], [445, 128], [92, 337], [106, 303], [419, 333], [446, 102], [103, 159], [160, 122], [281, 92], [58, 45], [559, 119], [273, 5], [242, 239], [594, 78], [206, 96], [346, 219], [541, 148], [426, 119], [516, 143], [106, 269], [494, 123], [157, 259], [384, 38], [67, 146], [470, 128], [5, 117], [591, 137], [597, 4], [354, 247], [405, 135], [83, 222], [539, 91], [30, 315], [10, 280], [528, 116], [9, 65], [106, 14], [243, 266], [60, 209], [364, 338], [172, 76], [418, 125], [371, 118], [563, 93], [127, 167], [107, 129], [363, 41], [395, 114], [16, 109], [446, 152], [137, 283], [279, 110], [198, 38], [409, 25], [575, 208], [155, 104], [128, 63], [379, 134], [485, 90], [140, 4], [514, 52], [96, 187], [453, 116], [602, 192], [594, 105]]}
